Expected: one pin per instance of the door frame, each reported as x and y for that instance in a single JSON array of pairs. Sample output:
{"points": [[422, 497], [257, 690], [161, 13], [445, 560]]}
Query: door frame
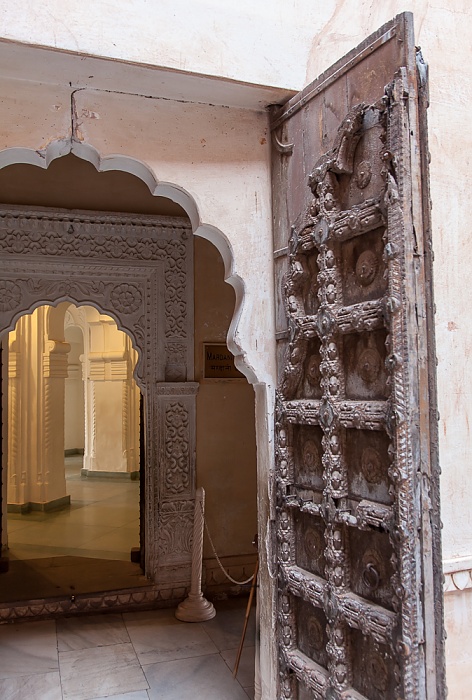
{"points": [[139, 270]]}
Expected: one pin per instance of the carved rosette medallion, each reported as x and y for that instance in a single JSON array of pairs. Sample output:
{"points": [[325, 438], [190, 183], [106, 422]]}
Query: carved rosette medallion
{"points": [[314, 545], [363, 174], [371, 465], [10, 295], [126, 298], [366, 267], [369, 365]]}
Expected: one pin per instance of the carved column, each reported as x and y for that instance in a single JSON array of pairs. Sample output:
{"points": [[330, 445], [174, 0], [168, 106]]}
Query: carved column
{"points": [[16, 479], [169, 518], [37, 370], [52, 473], [111, 403]]}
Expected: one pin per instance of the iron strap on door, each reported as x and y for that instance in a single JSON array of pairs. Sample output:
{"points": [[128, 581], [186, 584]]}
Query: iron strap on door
{"points": [[353, 548]]}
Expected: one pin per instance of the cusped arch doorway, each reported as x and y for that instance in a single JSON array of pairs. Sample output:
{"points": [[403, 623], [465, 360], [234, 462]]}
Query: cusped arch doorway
{"points": [[139, 269], [73, 456]]}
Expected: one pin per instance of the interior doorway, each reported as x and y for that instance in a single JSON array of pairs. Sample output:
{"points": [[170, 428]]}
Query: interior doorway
{"points": [[73, 497], [166, 289]]}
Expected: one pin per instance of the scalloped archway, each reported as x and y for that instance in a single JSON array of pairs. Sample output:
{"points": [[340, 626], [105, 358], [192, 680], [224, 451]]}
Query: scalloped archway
{"points": [[126, 266]]}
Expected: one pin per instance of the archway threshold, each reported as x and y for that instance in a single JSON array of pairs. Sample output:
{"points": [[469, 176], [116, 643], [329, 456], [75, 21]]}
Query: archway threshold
{"points": [[67, 576], [117, 600]]}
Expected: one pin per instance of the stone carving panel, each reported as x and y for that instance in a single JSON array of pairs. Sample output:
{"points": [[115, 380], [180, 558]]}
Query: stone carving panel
{"points": [[177, 437], [100, 241], [176, 522], [138, 269]]}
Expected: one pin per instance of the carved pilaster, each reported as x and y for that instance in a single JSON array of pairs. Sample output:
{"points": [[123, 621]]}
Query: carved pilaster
{"points": [[37, 369], [51, 468], [174, 443]]}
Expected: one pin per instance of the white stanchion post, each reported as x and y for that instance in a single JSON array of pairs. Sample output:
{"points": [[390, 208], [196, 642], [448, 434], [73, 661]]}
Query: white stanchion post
{"points": [[196, 608]]}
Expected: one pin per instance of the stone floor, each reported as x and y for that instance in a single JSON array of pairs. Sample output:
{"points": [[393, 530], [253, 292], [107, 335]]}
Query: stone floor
{"points": [[102, 521], [81, 549], [132, 656]]}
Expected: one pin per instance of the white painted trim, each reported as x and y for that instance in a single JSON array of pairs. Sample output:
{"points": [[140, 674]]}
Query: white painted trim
{"points": [[457, 574]]}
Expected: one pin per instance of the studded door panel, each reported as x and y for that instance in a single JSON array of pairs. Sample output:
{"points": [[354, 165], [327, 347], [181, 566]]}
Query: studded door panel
{"points": [[350, 561]]}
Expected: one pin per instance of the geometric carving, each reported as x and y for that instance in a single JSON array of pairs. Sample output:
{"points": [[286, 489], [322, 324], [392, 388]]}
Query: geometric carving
{"points": [[177, 437]]}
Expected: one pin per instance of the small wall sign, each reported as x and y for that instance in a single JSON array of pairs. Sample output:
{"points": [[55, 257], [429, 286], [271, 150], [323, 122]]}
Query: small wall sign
{"points": [[218, 362]]}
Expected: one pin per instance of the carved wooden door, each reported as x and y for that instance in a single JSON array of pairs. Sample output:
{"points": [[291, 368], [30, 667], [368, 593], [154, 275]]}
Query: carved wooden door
{"points": [[359, 604]]}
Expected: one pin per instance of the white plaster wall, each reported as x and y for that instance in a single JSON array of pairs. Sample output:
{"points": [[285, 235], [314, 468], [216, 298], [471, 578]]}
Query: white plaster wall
{"points": [[250, 40], [218, 156]]}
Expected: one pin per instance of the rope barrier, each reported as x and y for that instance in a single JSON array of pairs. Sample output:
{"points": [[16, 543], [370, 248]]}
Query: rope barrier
{"points": [[238, 583]]}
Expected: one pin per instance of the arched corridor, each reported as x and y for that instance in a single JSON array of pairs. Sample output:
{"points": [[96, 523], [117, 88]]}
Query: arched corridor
{"points": [[73, 501]]}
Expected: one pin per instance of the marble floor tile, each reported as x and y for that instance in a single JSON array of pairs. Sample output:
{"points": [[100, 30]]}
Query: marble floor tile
{"points": [[28, 648], [26, 551], [133, 525], [97, 514], [202, 678], [31, 517], [163, 616], [226, 628], [58, 534], [40, 686], [246, 664], [135, 695], [74, 633], [101, 553], [156, 641], [15, 525], [100, 672]]}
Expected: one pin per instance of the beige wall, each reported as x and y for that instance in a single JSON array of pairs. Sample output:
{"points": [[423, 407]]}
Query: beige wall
{"points": [[226, 439], [247, 41]]}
